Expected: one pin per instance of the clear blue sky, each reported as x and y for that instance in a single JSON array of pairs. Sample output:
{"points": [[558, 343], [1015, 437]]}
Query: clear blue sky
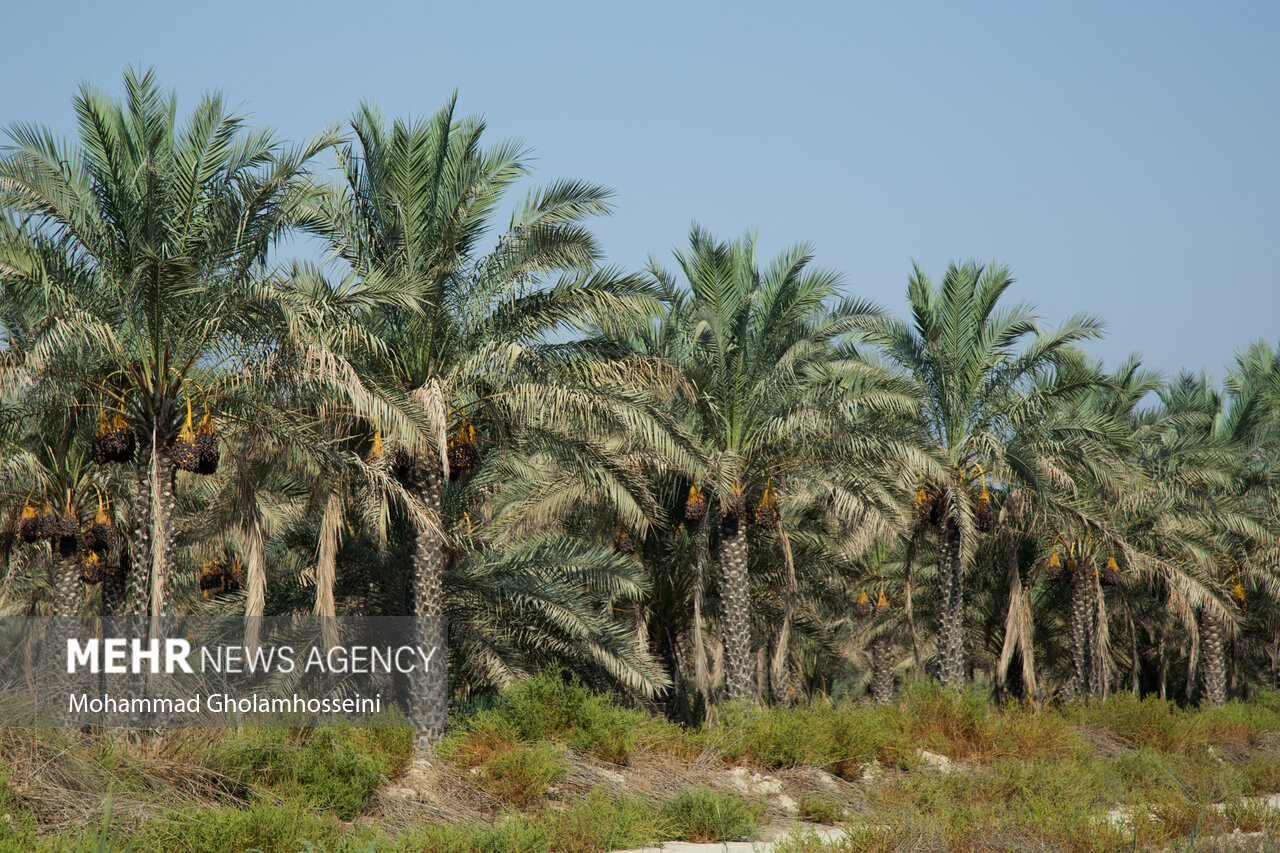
{"points": [[1120, 157]]}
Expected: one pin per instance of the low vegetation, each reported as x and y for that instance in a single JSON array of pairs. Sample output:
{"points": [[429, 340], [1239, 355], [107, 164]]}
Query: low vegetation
{"points": [[1114, 774]]}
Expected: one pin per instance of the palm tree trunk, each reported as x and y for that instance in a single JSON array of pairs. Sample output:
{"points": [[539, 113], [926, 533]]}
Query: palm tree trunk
{"points": [[1164, 669], [140, 551], [909, 603], [255, 601], [429, 686], [152, 550], [735, 624], [66, 601], [882, 670], [65, 622], [780, 668], [674, 701], [326, 571], [1101, 640], [115, 580], [1135, 665], [1234, 687], [1214, 668], [8, 536], [951, 605], [701, 675], [162, 487], [957, 613], [1193, 663], [115, 616], [1082, 682]]}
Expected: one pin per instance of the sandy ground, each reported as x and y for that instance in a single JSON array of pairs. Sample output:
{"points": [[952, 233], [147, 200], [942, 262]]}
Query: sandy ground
{"points": [[828, 833]]}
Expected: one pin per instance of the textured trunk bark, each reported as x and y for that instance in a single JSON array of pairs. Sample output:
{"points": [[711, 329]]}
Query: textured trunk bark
{"points": [[908, 598], [1234, 687], [140, 551], [326, 571], [115, 617], [115, 591], [1135, 664], [1193, 662], [1164, 670], [882, 670], [65, 623], [951, 604], [1103, 671], [701, 675], [66, 601], [735, 624], [8, 537], [255, 579], [429, 689], [1012, 619], [151, 554], [759, 686], [962, 667], [1213, 661], [1082, 680], [781, 689], [675, 702], [780, 686], [780, 682]]}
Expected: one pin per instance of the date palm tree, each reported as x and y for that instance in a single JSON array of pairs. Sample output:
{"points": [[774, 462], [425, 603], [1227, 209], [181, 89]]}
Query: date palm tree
{"points": [[479, 353], [785, 407], [1253, 385], [982, 372], [145, 242], [1206, 458], [62, 520], [1077, 459]]}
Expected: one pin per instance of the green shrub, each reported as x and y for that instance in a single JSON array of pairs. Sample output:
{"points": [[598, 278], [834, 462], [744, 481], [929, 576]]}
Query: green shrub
{"points": [[704, 815], [1150, 722], [1261, 775], [859, 733], [333, 774], [335, 768], [601, 822], [605, 732], [1035, 782], [522, 774], [596, 824], [841, 738], [1252, 817], [474, 748], [806, 841], [263, 826], [391, 739], [959, 724], [514, 834], [1151, 776], [1041, 805], [546, 707], [820, 810], [790, 737]]}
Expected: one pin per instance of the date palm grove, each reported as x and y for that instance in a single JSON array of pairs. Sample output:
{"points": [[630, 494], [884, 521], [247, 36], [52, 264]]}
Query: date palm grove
{"points": [[385, 371]]}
